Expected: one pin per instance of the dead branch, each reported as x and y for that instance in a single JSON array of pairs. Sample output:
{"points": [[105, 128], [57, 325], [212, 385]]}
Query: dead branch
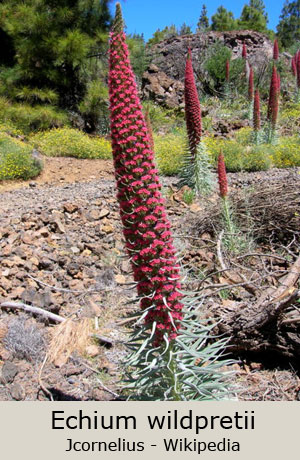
{"points": [[34, 310], [273, 301]]}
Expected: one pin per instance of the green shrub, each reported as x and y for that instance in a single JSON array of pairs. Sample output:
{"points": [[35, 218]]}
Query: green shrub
{"points": [[215, 64], [162, 119], [169, 153], [16, 160], [94, 107], [36, 95], [68, 142], [27, 118]]}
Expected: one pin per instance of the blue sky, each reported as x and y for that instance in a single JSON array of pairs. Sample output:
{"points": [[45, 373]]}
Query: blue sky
{"points": [[146, 16]]}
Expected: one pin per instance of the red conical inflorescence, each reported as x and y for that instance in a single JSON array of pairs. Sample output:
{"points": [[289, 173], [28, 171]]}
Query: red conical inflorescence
{"points": [[244, 51], [145, 225], [256, 111], [222, 176], [227, 71], [192, 107], [273, 99], [275, 50], [251, 85]]}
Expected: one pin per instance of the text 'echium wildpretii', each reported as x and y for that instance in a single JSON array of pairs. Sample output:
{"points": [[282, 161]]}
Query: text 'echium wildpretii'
{"points": [[145, 225]]}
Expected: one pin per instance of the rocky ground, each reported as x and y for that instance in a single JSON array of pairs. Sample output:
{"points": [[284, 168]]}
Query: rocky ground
{"points": [[61, 250]]}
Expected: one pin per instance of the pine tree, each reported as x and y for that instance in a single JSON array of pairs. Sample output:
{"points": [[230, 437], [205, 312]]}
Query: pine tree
{"points": [[288, 29], [53, 42], [259, 6], [203, 23], [223, 20], [160, 35], [185, 29], [253, 16]]}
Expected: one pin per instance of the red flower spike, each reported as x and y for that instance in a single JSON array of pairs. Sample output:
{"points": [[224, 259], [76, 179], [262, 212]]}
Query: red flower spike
{"points": [[244, 51], [275, 51], [273, 98], [222, 176], [192, 106], [146, 228], [256, 111], [227, 71], [251, 85]]}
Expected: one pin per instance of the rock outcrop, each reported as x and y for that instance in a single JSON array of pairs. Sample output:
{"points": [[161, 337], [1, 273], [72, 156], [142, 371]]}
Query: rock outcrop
{"points": [[163, 80], [161, 88]]}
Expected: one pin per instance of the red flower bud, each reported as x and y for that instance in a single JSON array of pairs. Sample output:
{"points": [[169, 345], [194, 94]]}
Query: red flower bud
{"points": [[256, 111], [192, 106], [222, 176]]}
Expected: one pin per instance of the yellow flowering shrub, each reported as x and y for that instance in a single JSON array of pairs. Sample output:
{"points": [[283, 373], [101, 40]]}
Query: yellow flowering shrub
{"points": [[68, 142], [16, 160], [287, 152], [243, 136], [169, 153], [239, 157], [290, 116], [240, 154], [10, 129]]}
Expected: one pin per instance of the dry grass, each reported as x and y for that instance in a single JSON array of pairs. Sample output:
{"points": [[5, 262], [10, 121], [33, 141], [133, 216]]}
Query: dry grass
{"points": [[67, 338]]}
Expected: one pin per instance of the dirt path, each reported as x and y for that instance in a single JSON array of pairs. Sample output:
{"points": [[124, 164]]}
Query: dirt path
{"points": [[65, 170]]}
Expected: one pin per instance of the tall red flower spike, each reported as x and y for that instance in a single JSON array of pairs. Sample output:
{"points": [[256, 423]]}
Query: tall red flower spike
{"points": [[244, 51], [227, 71], [273, 98], [256, 111], [146, 228], [294, 66], [251, 85], [192, 107], [222, 176], [275, 50]]}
